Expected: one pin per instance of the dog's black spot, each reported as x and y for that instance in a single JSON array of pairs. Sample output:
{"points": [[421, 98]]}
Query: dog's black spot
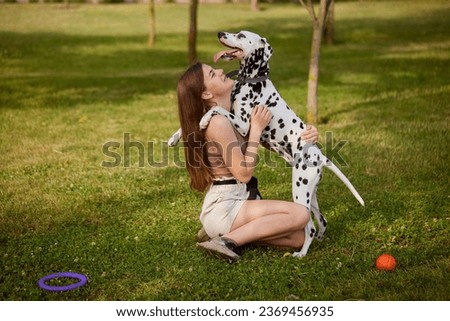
{"points": [[257, 88], [270, 103], [289, 148], [305, 181]]}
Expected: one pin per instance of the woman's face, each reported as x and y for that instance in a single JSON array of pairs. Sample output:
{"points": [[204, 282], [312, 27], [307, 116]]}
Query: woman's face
{"points": [[217, 83]]}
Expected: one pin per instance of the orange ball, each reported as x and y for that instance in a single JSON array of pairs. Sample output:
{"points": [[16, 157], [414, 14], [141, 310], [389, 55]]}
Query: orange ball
{"points": [[386, 262]]}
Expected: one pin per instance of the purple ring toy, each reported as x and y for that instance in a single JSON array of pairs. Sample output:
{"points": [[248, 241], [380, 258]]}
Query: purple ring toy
{"points": [[81, 277]]}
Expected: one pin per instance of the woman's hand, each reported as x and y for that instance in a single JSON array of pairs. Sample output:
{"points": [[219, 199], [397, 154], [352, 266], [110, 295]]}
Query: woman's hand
{"points": [[311, 135], [260, 118]]}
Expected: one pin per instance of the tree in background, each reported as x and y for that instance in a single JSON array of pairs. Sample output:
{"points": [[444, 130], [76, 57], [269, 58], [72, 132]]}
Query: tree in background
{"points": [[192, 42], [328, 29], [254, 5], [318, 23], [152, 28]]}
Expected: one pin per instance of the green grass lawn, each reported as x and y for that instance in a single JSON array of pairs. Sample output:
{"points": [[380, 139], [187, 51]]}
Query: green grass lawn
{"points": [[73, 79]]}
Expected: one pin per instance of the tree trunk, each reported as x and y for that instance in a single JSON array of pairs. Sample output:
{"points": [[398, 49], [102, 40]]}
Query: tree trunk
{"points": [[254, 5], [313, 77], [152, 24], [192, 46], [328, 30]]}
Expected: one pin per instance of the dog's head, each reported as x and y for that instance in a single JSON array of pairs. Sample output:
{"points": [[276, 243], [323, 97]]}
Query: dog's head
{"points": [[242, 45]]}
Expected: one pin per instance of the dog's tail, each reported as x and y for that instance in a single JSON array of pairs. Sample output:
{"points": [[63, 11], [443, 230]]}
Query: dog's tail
{"points": [[345, 180]]}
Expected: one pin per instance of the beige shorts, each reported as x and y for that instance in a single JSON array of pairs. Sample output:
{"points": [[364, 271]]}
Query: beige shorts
{"points": [[221, 206]]}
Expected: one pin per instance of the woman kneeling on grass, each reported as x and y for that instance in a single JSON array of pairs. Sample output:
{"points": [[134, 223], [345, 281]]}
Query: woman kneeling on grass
{"points": [[220, 159]]}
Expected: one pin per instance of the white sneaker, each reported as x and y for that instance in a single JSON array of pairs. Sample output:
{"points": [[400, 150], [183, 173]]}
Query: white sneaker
{"points": [[221, 247], [202, 236]]}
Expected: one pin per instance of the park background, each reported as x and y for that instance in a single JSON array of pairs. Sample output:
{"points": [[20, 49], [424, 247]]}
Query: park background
{"points": [[74, 76]]}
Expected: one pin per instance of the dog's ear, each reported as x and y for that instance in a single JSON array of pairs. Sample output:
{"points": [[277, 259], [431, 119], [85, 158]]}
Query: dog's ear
{"points": [[267, 49], [262, 42]]}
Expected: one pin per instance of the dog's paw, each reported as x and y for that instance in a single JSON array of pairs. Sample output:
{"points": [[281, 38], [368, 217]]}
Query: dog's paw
{"points": [[299, 254], [175, 139], [204, 123], [207, 117]]}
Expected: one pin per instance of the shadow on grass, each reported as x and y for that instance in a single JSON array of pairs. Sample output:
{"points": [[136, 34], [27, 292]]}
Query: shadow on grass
{"points": [[57, 70]]}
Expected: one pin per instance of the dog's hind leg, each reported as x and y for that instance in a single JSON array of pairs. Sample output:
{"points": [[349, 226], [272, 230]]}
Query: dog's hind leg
{"points": [[310, 231], [301, 196], [321, 221]]}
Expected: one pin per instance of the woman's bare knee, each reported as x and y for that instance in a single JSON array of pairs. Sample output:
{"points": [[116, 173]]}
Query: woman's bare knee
{"points": [[300, 216], [298, 238]]}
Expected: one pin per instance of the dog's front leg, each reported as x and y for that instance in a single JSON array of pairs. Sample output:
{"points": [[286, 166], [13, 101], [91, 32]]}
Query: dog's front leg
{"points": [[175, 138], [237, 123]]}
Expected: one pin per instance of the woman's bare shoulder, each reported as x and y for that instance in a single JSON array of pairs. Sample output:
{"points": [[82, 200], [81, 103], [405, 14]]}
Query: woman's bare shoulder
{"points": [[219, 122], [219, 125]]}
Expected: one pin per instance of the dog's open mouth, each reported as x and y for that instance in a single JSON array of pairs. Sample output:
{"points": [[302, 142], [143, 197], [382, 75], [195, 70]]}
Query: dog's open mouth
{"points": [[228, 54]]}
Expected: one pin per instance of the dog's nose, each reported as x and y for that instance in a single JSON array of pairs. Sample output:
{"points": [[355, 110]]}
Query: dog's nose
{"points": [[220, 34]]}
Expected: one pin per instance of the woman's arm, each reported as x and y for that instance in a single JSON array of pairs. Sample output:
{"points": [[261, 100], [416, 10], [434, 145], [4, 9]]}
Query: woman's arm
{"points": [[221, 131]]}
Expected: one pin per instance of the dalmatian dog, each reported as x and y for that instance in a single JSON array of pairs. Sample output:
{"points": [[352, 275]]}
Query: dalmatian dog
{"points": [[252, 88]]}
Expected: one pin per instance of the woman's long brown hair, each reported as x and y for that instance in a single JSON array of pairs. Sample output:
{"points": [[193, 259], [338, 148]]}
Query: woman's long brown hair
{"points": [[191, 108]]}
